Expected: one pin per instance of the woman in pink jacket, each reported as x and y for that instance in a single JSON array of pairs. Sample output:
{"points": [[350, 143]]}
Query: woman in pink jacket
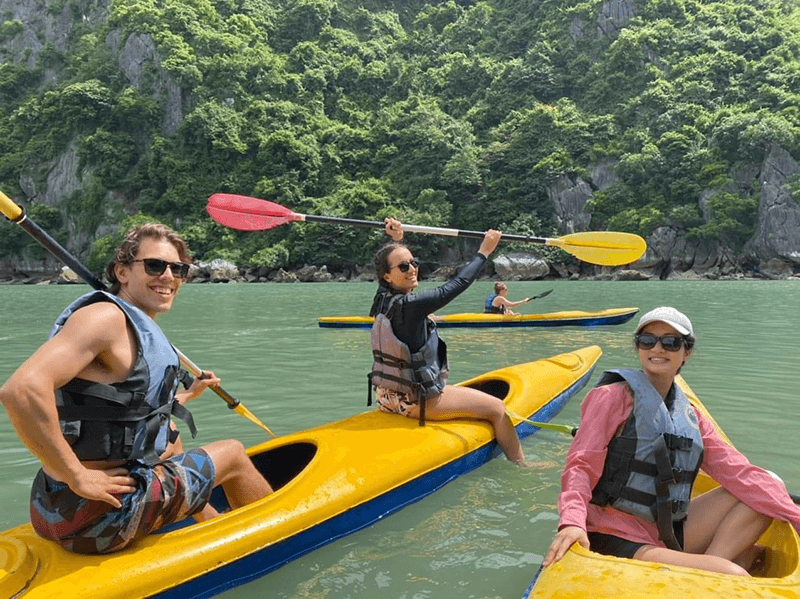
{"points": [[626, 484]]}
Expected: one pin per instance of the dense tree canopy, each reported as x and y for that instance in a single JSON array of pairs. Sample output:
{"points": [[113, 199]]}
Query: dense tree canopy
{"points": [[450, 113]]}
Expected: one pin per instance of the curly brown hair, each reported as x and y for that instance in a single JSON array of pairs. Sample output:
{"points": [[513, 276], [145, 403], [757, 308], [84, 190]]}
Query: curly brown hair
{"points": [[127, 250]]}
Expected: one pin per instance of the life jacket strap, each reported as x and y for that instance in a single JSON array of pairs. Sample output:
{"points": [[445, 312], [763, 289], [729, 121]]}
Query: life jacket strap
{"points": [[664, 504], [395, 362]]}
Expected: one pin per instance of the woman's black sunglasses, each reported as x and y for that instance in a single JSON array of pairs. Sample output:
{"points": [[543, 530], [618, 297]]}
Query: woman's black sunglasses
{"points": [[668, 342], [156, 267], [404, 266]]}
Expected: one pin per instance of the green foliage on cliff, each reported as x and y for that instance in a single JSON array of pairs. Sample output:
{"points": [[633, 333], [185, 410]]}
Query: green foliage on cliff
{"points": [[450, 113]]}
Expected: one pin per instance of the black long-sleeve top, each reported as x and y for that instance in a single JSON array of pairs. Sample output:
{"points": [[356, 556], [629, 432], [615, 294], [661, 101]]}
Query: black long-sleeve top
{"points": [[409, 318]]}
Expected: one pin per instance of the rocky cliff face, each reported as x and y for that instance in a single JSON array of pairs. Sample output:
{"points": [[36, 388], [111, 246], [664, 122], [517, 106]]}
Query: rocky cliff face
{"points": [[775, 244], [39, 23]]}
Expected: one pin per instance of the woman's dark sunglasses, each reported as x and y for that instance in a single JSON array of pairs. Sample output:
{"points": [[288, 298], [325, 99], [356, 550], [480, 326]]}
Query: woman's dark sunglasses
{"points": [[155, 267], [404, 266], [668, 342]]}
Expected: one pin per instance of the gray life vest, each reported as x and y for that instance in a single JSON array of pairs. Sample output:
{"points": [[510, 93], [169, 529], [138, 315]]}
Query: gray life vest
{"points": [[422, 374], [651, 466], [127, 420]]}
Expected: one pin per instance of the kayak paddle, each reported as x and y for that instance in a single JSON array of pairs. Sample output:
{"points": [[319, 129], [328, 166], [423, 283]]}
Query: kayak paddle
{"points": [[16, 214], [561, 428], [541, 295], [244, 213]]}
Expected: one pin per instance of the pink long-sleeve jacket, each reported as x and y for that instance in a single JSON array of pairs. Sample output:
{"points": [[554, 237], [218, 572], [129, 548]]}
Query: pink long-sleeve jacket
{"points": [[603, 412]]}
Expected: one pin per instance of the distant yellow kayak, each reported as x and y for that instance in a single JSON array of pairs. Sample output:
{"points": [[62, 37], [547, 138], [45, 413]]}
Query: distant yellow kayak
{"points": [[330, 481], [581, 573], [571, 318]]}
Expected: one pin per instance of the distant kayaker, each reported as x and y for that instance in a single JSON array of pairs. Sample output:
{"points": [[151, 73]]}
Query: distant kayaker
{"points": [[93, 404], [410, 360], [627, 482], [498, 303]]}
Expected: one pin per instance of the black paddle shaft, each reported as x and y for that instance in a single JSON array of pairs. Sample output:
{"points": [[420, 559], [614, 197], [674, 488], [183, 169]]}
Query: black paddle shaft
{"points": [[57, 250], [333, 220]]}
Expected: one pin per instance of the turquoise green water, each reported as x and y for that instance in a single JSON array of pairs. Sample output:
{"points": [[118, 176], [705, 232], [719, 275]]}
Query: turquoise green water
{"points": [[483, 535]]}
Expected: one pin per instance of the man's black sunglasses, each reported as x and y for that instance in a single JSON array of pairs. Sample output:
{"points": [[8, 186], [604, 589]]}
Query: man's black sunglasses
{"points": [[156, 267], [404, 266], [668, 342]]}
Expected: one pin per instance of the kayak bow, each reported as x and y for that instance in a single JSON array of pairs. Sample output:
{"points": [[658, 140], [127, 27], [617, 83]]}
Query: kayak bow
{"points": [[330, 481]]}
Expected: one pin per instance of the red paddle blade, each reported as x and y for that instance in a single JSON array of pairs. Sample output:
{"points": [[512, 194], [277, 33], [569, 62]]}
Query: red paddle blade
{"points": [[248, 214]]}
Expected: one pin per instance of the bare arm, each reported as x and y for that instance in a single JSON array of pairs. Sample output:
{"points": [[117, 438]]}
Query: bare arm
{"points": [[93, 340]]}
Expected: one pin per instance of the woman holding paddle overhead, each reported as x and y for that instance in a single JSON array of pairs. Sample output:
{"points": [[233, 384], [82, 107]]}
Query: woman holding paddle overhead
{"points": [[410, 368], [627, 482], [498, 303]]}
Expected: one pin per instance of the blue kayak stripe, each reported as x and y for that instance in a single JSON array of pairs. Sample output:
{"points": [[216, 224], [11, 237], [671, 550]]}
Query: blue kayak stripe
{"points": [[593, 321], [263, 561]]}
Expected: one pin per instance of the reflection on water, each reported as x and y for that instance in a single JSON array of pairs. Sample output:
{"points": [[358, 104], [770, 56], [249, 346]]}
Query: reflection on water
{"points": [[483, 535]]}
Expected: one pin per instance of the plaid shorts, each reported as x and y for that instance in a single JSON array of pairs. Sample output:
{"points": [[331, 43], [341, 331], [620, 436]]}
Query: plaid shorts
{"points": [[167, 492]]}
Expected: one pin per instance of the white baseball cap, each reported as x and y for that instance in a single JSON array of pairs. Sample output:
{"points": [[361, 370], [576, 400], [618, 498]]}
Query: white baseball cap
{"points": [[677, 320]]}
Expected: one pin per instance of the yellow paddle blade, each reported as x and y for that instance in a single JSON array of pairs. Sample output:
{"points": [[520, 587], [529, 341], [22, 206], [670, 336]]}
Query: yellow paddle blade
{"points": [[606, 248], [9, 207], [244, 412]]}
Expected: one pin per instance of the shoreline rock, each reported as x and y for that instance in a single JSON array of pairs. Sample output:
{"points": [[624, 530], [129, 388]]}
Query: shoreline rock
{"points": [[515, 266]]}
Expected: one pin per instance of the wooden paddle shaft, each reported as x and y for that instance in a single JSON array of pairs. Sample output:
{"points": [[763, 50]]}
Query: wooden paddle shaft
{"points": [[417, 228]]}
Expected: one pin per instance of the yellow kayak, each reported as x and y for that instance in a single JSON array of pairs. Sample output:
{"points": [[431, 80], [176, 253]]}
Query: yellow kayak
{"points": [[582, 573], [330, 481], [566, 318]]}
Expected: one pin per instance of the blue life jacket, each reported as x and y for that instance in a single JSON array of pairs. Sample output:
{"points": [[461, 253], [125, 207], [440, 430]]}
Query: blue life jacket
{"points": [[651, 466], [128, 420], [488, 308], [421, 374]]}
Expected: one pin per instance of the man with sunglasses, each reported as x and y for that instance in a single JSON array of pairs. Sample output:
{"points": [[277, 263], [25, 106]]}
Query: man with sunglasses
{"points": [[93, 404], [626, 489]]}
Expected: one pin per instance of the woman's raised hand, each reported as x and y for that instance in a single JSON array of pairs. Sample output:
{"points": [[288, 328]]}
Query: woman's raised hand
{"points": [[394, 228], [489, 243]]}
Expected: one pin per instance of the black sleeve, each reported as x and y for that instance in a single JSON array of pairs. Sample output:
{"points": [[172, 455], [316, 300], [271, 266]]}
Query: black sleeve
{"points": [[419, 305]]}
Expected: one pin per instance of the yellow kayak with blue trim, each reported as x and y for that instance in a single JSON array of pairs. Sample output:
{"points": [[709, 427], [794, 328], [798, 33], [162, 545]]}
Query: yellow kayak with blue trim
{"points": [[566, 318], [582, 573], [329, 481]]}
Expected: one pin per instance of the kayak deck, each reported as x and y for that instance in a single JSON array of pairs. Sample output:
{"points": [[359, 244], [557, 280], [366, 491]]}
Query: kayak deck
{"points": [[576, 318], [583, 573], [329, 482]]}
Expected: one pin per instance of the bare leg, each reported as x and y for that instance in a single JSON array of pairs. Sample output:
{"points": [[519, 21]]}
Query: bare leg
{"points": [[206, 513], [719, 531], [236, 473], [719, 524], [464, 402]]}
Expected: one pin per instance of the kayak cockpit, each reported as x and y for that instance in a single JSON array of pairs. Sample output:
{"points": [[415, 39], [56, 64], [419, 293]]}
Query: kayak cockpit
{"points": [[279, 465], [497, 387]]}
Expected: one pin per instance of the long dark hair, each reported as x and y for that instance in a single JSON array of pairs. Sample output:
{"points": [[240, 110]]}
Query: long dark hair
{"points": [[381, 263], [381, 260], [127, 250]]}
